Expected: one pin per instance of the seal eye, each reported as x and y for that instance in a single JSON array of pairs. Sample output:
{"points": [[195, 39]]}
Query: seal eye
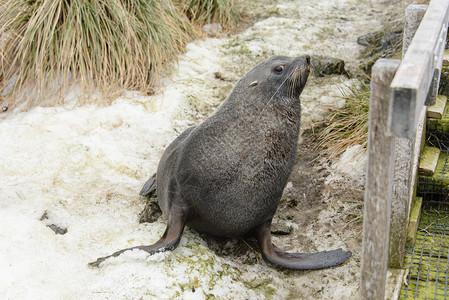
{"points": [[279, 69]]}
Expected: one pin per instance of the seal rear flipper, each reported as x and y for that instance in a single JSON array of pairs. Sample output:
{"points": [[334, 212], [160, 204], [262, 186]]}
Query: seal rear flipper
{"points": [[307, 261], [297, 261], [149, 187], [169, 240]]}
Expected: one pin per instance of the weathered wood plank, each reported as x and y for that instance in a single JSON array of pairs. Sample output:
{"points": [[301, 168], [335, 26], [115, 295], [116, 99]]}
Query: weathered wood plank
{"points": [[395, 278], [415, 216], [436, 110], [446, 57], [440, 176], [378, 191], [404, 190], [404, 177], [428, 161], [413, 16], [418, 70]]}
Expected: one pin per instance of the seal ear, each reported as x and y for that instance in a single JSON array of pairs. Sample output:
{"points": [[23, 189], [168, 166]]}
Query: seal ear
{"points": [[254, 83], [296, 261]]}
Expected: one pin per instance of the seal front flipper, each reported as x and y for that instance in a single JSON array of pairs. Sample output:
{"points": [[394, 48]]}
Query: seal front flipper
{"points": [[297, 261], [149, 187], [169, 241]]}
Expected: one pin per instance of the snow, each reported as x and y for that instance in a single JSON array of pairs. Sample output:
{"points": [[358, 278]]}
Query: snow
{"points": [[84, 165], [351, 164]]}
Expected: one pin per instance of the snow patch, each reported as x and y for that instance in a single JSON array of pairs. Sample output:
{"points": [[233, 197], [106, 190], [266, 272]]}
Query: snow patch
{"points": [[352, 164]]}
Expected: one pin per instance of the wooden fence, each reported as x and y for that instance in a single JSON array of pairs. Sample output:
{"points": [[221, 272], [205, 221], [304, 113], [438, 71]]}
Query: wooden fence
{"points": [[399, 92]]}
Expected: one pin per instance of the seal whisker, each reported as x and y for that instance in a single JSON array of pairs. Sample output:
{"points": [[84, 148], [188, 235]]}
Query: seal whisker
{"points": [[296, 81], [277, 90], [293, 82]]}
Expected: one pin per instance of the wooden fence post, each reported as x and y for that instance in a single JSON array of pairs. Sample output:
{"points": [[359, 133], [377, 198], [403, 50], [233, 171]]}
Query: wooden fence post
{"points": [[398, 94], [413, 16], [403, 163], [379, 181]]}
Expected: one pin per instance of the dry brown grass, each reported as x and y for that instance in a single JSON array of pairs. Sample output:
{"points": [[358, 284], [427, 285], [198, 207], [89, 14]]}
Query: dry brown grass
{"points": [[107, 46], [347, 126], [211, 11]]}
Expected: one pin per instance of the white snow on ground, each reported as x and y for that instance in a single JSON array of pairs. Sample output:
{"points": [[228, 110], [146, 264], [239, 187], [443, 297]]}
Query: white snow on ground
{"points": [[84, 167], [352, 164]]}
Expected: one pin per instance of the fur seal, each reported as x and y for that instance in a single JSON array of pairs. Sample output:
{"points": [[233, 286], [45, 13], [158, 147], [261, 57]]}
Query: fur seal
{"points": [[226, 175]]}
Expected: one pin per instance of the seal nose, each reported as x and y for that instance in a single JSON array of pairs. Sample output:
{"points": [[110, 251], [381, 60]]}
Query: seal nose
{"points": [[307, 57]]}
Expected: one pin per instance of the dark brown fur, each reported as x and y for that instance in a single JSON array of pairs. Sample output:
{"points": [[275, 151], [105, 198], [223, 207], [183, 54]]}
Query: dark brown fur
{"points": [[226, 175]]}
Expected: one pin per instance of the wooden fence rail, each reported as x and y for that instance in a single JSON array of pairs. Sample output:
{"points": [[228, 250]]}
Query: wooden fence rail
{"points": [[420, 66], [399, 90]]}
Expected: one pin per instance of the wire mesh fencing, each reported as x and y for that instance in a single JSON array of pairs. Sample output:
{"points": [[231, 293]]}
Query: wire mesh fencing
{"points": [[427, 259]]}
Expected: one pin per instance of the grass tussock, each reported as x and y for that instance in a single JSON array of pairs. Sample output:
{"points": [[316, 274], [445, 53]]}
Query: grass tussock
{"points": [[202, 12], [346, 126], [108, 46]]}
